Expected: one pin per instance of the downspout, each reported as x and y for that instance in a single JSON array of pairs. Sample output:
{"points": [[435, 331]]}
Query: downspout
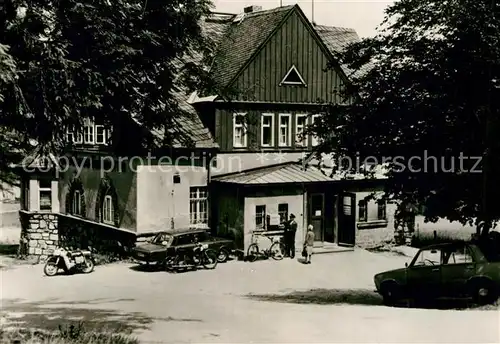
{"points": [[208, 166]]}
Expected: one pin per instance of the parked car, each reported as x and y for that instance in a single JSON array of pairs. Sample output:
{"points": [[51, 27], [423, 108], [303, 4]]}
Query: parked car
{"points": [[169, 242], [454, 270]]}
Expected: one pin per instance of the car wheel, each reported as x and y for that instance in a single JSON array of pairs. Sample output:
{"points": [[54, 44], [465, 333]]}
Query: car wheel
{"points": [[390, 293], [483, 293], [222, 256]]}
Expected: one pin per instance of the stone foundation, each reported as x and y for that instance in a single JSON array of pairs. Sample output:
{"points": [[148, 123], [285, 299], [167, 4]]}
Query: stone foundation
{"points": [[39, 234], [374, 237]]}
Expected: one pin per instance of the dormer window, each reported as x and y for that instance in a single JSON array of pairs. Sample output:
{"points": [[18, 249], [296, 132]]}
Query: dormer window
{"points": [[293, 77], [91, 134], [88, 133]]}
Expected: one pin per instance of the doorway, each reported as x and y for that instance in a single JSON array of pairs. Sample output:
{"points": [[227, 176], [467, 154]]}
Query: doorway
{"points": [[317, 215], [347, 219]]}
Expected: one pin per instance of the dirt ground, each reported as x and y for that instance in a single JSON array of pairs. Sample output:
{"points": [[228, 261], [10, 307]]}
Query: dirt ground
{"points": [[331, 300]]}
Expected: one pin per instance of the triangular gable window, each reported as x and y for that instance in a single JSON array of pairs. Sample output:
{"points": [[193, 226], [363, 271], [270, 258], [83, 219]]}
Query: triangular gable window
{"points": [[293, 77]]}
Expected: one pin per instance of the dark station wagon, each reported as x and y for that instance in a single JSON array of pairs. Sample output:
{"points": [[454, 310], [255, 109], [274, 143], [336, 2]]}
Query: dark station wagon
{"points": [[454, 270], [169, 242]]}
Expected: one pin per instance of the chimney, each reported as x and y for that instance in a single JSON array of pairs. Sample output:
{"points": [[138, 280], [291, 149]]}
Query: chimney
{"points": [[251, 9]]}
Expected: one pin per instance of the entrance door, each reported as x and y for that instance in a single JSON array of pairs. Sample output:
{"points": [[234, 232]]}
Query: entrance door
{"points": [[347, 219], [316, 214]]}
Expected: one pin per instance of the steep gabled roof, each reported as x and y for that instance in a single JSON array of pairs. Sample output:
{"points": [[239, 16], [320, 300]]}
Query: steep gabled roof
{"points": [[189, 125], [243, 39], [337, 39]]}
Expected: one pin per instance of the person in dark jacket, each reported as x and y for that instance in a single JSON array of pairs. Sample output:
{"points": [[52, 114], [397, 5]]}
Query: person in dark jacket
{"points": [[290, 231]]}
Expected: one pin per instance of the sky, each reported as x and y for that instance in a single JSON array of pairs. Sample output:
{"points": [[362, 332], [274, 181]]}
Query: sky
{"points": [[363, 16]]}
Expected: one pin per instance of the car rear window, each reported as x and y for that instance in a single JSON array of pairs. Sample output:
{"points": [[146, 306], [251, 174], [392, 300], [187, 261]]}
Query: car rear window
{"points": [[161, 238]]}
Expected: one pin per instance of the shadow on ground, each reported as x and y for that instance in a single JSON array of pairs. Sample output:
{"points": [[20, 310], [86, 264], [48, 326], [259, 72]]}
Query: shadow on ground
{"points": [[325, 297], [50, 314], [8, 249], [364, 297]]}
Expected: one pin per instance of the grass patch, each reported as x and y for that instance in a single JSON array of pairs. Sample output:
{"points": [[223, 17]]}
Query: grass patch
{"points": [[66, 334]]}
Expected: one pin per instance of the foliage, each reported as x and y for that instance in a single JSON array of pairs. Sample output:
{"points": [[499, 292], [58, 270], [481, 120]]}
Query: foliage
{"points": [[67, 334], [110, 60], [425, 88]]}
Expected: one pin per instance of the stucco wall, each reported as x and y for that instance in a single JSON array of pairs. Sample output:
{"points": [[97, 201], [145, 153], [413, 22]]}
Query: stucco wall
{"points": [[124, 182], [376, 236], [295, 205], [228, 208], [160, 202]]}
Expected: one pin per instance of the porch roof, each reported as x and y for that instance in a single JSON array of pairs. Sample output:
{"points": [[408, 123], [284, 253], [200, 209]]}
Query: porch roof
{"points": [[287, 173]]}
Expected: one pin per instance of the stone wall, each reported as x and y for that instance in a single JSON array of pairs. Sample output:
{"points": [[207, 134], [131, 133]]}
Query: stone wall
{"points": [[374, 237], [39, 233]]}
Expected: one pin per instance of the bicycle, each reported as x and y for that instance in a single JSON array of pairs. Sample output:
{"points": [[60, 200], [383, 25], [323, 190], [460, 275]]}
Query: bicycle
{"points": [[276, 250]]}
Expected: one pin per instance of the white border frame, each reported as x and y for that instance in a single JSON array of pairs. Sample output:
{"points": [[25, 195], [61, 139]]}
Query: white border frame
{"points": [[51, 198], [198, 190], [293, 68], [262, 130], [112, 221], [244, 145], [305, 140], [314, 139], [90, 126], [104, 134], [289, 143]]}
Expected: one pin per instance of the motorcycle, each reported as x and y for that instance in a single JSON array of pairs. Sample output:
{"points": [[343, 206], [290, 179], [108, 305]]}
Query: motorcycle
{"points": [[200, 255], [76, 261]]}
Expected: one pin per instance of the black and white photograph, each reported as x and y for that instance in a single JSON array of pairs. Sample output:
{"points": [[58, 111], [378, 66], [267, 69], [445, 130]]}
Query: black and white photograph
{"points": [[249, 171]]}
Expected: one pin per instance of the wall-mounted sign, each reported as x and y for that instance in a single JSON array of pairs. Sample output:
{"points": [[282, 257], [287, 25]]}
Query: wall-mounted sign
{"points": [[317, 213]]}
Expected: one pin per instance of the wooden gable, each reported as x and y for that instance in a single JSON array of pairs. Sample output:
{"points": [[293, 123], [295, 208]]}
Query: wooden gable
{"points": [[293, 52]]}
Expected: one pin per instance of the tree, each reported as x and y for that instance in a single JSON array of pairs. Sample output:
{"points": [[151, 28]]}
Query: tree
{"points": [[425, 102], [110, 60]]}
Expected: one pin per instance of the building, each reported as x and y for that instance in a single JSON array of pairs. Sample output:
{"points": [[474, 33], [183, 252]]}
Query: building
{"points": [[248, 169], [91, 197], [273, 62]]}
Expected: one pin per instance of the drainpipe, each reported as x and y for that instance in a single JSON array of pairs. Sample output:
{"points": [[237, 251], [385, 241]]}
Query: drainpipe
{"points": [[208, 166], [304, 212]]}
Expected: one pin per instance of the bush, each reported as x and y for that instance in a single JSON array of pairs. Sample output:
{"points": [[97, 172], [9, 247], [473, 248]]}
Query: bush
{"points": [[67, 334], [422, 238]]}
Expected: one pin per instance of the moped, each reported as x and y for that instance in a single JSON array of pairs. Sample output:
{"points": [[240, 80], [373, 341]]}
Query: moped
{"points": [[192, 259], [70, 261]]}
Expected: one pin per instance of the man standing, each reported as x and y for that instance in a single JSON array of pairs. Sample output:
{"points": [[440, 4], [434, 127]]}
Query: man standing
{"points": [[309, 243], [290, 236]]}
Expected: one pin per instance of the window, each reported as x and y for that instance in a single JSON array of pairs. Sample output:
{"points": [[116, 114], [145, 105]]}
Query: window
{"points": [[100, 134], [293, 77], [108, 211], [428, 257], [315, 139], [457, 255], [300, 126], [239, 131], [76, 206], [88, 133], [260, 217], [363, 213], [283, 212], [267, 130], [74, 137], [381, 210], [198, 211], [285, 130], [26, 195], [45, 194]]}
